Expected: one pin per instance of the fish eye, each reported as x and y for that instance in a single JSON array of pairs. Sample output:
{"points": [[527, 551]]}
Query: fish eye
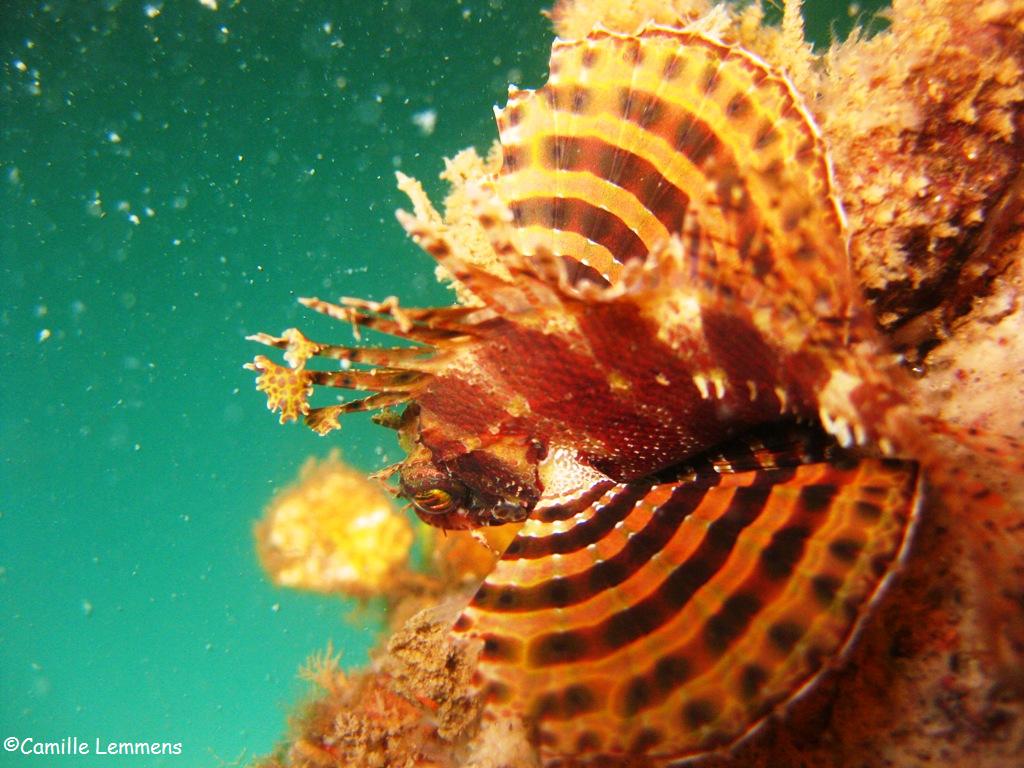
{"points": [[434, 501], [432, 491]]}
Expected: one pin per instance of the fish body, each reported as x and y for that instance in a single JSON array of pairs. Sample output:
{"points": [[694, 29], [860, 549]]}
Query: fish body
{"points": [[673, 383]]}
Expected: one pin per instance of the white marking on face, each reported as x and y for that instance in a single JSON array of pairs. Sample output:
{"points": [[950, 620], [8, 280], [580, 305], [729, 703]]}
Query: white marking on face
{"points": [[839, 415], [718, 379], [701, 383], [780, 393], [837, 426]]}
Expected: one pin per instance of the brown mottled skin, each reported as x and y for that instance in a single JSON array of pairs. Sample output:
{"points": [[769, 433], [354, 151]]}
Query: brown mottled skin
{"points": [[629, 415]]}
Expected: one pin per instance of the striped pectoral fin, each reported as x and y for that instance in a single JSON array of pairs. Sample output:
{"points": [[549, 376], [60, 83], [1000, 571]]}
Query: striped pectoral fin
{"points": [[668, 619]]}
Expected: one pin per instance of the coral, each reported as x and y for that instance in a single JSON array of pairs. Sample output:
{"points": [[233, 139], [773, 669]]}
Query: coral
{"points": [[401, 713], [424, 664], [459, 218], [334, 531], [922, 123]]}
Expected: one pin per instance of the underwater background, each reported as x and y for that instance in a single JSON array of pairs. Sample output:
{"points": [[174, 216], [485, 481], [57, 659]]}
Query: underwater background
{"points": [[172, 176]]}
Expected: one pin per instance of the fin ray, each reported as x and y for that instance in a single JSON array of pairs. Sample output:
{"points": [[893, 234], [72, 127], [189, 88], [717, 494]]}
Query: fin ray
{"points": [[689, 609]]}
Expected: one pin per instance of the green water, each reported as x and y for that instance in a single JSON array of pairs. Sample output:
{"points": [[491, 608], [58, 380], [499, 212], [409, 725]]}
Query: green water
{"points": [[171, 178]]}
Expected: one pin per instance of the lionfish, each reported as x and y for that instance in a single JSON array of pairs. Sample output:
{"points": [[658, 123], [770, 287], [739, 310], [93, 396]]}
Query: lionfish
{"points": [[672, 383]]}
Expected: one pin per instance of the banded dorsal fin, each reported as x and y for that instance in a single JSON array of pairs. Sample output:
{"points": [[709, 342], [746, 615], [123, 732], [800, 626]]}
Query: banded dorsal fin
{"points": [[633, 133]]}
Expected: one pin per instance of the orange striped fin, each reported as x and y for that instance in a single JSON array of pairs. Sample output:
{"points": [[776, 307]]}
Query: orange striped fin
{"points": [[667, 619], [634, 133]]}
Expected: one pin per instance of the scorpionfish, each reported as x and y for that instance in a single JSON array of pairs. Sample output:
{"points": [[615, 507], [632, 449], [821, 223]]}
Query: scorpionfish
{"points": [[672, 383]]}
